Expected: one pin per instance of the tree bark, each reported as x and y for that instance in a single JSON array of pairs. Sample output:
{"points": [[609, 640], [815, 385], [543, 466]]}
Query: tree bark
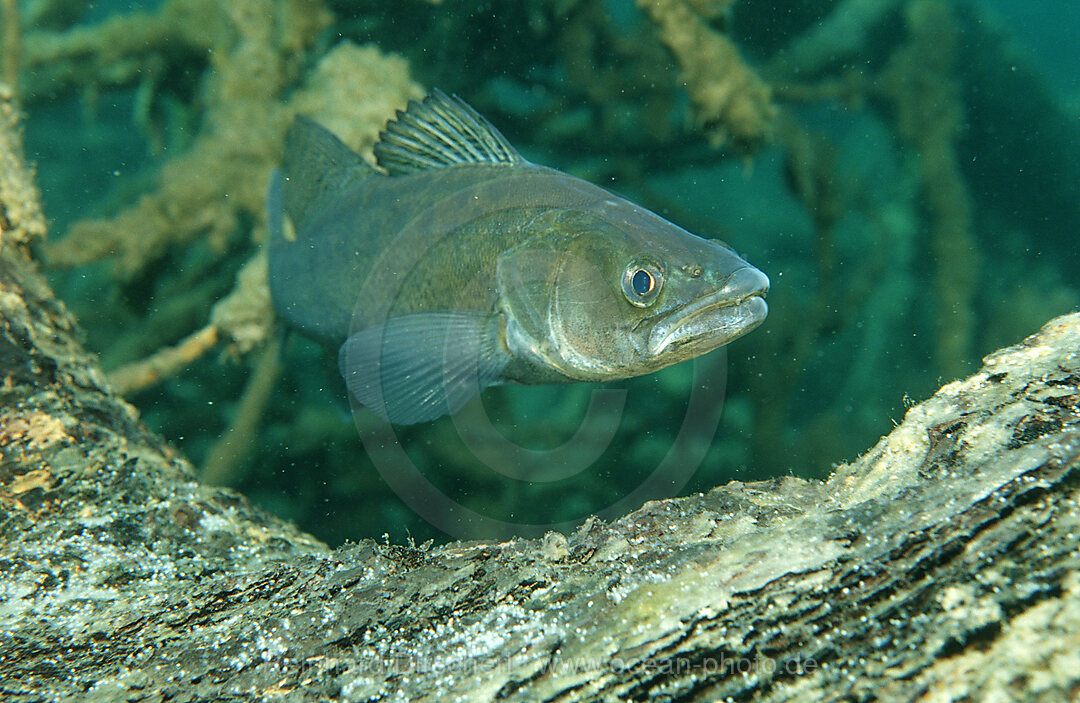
{"points": [[941, 565]]}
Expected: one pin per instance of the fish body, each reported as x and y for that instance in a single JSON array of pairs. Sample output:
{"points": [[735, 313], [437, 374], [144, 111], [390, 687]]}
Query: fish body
{"points": [[464, 266]]}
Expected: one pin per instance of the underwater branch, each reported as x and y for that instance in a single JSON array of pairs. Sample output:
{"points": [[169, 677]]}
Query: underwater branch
{"points": [[11, 42]]}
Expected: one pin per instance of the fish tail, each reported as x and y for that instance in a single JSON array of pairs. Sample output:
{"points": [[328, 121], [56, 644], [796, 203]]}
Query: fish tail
{"points": [[317, 165], [275, 213]]}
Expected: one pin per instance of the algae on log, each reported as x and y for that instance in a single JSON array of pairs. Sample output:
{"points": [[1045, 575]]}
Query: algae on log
{"points": [[944, 562]]}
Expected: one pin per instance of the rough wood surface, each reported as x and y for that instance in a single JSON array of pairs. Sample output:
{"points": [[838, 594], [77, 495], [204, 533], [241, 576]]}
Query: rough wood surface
{"points": [[942, 565]]}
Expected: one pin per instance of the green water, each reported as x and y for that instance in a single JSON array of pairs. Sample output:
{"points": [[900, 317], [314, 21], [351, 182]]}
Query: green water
{"points": [[887, 279]]}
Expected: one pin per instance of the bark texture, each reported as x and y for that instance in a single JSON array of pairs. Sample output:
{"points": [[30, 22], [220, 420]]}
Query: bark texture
{"points": [[942, 565]]}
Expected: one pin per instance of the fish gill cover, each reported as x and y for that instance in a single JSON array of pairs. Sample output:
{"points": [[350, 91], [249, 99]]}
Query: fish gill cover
{"points": [[905, 172]]}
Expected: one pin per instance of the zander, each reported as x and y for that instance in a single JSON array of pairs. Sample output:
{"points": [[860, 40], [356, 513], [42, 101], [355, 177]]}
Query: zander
{"points": [[461, 265]]}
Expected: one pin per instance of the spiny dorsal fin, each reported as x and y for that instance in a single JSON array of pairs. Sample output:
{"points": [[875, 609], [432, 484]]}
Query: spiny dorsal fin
{"points": [[316, 166], [441, 130]]}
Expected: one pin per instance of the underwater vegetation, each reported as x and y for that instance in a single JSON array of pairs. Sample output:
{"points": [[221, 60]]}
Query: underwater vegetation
{"points": [[899, 169]]}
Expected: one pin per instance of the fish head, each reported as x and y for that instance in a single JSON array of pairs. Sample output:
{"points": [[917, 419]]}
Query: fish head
{"points": [[615, 291]]}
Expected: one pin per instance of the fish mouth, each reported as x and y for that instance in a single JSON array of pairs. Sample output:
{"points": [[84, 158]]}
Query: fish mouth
{"points": [[715, 319]]}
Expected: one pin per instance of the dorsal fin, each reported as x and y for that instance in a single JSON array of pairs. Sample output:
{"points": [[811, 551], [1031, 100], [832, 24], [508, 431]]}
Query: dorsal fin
{"points": [[441, 130], [316, 164]]}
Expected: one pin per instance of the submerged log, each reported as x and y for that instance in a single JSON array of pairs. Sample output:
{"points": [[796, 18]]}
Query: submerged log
{"points": [[943, 564]]}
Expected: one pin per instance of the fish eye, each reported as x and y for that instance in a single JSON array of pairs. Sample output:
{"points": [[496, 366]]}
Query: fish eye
{"points": [[641, 282]]}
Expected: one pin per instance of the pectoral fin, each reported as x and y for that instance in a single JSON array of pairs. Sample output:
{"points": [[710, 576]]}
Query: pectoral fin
{"points": [[416, 368]]}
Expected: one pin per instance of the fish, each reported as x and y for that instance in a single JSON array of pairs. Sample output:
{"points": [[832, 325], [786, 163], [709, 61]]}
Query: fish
{"points": [[455, 264]]}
